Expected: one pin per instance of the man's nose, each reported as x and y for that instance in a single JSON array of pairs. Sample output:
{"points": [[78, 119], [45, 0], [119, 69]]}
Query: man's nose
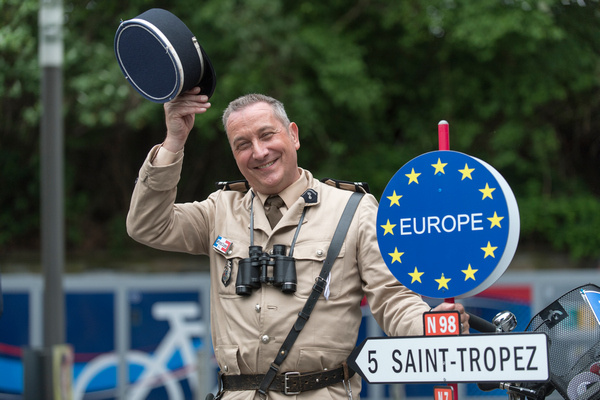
{"points": [[259, 150]]}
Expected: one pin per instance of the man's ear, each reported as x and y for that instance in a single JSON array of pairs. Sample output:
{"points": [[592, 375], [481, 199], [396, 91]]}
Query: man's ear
{"points": [[294, 133]]}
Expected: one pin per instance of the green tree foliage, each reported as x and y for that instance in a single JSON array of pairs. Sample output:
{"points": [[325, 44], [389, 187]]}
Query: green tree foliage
{"points": [[366, 80]]}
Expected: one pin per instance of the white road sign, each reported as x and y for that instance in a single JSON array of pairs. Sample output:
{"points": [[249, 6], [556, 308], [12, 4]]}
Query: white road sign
{"points": [[513, 357]]}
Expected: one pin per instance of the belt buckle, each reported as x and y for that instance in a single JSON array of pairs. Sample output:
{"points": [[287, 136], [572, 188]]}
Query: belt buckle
{"points": [[286, 378]]}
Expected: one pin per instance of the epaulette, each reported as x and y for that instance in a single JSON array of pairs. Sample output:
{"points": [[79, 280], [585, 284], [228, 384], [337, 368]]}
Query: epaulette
{"points": [[239, 185], [243, 186], [347, 185]]}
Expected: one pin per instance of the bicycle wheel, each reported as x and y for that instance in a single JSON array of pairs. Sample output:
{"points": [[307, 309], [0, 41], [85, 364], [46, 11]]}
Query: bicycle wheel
{"points": [[98, 379]]}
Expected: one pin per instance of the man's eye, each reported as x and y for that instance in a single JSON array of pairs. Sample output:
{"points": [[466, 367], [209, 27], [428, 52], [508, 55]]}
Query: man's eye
{"points": [[243, 146]]}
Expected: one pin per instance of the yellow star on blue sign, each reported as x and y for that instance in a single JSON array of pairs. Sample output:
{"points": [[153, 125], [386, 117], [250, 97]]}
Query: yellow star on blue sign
{"points": [[412, 177], [416, 276], [388, 228], [396, 256], [489, 250], [466, 172], [495, 220], [487, 191], [439, 167], [443, 281], [394, 199], [469, 273]]}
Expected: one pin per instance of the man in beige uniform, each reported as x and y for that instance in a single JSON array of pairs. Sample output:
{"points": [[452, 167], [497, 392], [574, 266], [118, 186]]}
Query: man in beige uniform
{"points": [[248, 331]]}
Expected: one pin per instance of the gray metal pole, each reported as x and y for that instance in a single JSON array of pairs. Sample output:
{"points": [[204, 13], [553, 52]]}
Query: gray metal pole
{"points": [[52, 171]]}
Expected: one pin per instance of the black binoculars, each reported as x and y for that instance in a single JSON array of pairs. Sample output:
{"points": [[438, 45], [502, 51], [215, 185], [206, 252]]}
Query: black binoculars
{"points": [[260, 267]]}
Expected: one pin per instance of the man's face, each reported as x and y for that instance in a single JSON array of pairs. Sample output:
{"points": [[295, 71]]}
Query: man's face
{"points": [[264, 149]]}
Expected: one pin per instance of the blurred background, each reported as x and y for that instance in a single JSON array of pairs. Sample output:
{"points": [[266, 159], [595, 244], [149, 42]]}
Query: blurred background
{"points": [[367, 81]]}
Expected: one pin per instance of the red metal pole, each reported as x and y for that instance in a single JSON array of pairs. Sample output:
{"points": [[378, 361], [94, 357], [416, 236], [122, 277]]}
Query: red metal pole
{"points": [[444, 144], [444, 135]]}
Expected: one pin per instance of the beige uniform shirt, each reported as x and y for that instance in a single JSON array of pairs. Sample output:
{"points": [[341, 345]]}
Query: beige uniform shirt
{"points": [[247, 331]]}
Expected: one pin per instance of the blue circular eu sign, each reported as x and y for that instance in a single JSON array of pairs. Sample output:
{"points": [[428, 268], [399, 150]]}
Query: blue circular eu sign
{"points": [[447, 225]]}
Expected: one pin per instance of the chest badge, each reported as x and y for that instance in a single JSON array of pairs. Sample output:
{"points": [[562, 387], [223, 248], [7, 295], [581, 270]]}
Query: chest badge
{"points": [[222, 245]]}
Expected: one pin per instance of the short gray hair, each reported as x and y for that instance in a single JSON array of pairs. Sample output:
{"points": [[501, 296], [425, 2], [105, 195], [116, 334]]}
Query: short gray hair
{"points": [[249, 99]]}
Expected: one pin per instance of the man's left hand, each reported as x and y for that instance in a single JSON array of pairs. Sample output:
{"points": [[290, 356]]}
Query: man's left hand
{"points": [[464, 317]]}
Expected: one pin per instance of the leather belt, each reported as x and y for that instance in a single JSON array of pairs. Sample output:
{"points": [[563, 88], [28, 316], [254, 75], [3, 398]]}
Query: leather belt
{"points": [[288, 383]]}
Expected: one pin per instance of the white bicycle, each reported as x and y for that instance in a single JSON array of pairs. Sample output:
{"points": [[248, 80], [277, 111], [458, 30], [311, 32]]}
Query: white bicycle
{"points": [[184, 326]]}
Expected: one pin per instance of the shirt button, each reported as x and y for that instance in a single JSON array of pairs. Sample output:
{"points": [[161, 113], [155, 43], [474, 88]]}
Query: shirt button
{"points": [[257, 308], [265, 339], [320, 253]]}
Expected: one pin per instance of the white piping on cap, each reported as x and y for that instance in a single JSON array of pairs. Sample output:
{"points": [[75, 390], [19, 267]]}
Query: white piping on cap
{"points": [[197, 46]]}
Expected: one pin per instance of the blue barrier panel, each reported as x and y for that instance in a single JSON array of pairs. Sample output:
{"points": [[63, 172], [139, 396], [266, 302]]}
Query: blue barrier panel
{"points": [[14, 334], [155, 326]]}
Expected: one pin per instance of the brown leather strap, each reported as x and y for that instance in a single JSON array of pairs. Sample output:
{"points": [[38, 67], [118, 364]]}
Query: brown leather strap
{"points": [[288, 383]]}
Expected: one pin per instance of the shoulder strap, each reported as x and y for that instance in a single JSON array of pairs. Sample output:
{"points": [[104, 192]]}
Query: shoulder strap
{"points": [[317, 290], [239, 185], [347, 185]]}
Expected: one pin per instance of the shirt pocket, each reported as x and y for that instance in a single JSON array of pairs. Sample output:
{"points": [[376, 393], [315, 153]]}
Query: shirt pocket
{"points": [[228, 358], [309, 263], [228, 267], [318, 358]]}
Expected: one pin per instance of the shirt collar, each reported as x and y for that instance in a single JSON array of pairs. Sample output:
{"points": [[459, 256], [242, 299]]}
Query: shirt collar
{"points": [[291, 193]]}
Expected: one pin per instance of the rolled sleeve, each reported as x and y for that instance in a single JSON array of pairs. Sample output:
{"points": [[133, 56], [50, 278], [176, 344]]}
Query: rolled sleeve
{"points": [[164, 177]]}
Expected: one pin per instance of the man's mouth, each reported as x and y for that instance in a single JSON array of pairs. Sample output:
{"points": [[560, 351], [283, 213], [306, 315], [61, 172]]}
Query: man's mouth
{"points": [[267, 165]]}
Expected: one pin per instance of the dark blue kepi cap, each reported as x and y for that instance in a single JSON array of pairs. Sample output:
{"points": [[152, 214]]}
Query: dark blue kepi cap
{"points": [[161, 58]]}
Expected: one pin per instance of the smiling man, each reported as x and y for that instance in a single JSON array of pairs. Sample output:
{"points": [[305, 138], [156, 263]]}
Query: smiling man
{"points": [[251, 310]]}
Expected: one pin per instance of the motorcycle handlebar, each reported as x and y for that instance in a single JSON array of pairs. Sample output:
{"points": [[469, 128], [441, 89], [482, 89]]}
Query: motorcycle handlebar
{"points": [[481, 325], [488, 386]]}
